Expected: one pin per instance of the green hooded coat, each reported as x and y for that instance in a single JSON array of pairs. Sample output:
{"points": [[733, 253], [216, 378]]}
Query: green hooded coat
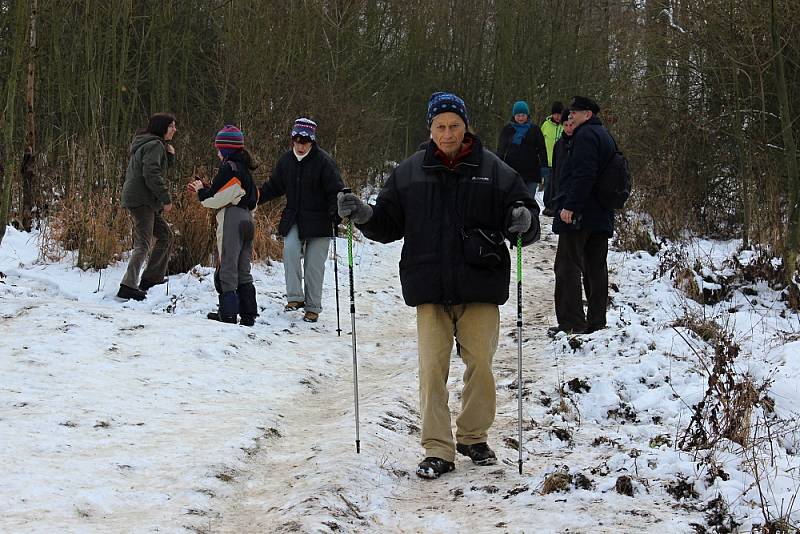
{"points": [[146, 176]]}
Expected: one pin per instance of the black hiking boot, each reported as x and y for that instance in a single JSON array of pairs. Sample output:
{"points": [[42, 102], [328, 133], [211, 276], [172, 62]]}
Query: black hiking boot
{"points": [[214, 316], [248, 308], [432, 467], [228, 308], [126, 293], [553, 331], [147, 284], [479, 453]]}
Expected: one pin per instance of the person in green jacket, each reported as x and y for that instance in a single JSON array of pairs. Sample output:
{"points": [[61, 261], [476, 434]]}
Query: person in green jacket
{"points": [[551, 131], [145, 195]]}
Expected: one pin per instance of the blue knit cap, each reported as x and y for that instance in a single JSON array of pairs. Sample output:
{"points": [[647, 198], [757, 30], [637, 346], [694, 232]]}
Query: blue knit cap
{"points": [[521, 107], [442, 102], [305, 127]]}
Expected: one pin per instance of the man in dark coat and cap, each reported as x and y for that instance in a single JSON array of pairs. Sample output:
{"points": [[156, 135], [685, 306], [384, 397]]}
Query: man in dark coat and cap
{"points": [[583, 225], [453, 204]]}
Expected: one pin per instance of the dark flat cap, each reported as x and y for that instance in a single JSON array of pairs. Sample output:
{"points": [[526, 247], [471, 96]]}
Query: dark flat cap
{"points": [[582, 103]]}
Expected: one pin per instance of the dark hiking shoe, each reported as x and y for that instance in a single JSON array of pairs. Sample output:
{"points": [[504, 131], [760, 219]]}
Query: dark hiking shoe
{"points": [[479, 453], [215, 316], [432, 467], [126, 293], [294, 305], [247, 320], [147, 284], [553, 331], [310, 317]]}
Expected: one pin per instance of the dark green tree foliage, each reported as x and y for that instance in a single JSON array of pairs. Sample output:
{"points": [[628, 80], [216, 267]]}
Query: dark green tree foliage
{"points": [[688, 87]]}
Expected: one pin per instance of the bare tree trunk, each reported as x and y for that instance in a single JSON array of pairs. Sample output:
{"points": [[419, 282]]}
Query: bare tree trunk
{"points": [[8, 114], [29, 157], [742, 155], [792, 239], [2, 200]]}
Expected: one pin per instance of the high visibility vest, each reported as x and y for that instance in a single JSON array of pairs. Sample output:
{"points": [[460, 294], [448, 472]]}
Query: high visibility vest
{"points": [[551, 132]]}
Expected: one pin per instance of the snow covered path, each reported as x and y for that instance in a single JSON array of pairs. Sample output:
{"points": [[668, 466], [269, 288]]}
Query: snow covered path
{"points": [[312, 480], [143, 417]]}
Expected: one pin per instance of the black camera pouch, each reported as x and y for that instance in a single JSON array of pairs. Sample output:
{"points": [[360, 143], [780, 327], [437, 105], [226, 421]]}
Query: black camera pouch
{"points": [[483, 248]]}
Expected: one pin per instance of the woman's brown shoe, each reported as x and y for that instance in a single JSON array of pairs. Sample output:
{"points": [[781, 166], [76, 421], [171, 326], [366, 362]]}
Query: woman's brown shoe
{"points": [[294, 305]]}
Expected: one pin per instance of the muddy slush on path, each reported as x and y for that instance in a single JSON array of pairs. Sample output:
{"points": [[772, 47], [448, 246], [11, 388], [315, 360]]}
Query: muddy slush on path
{"points": [[310, 479]]}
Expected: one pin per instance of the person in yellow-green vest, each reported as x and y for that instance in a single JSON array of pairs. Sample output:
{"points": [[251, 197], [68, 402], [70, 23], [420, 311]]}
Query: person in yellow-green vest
{"points": [[551, 131]]}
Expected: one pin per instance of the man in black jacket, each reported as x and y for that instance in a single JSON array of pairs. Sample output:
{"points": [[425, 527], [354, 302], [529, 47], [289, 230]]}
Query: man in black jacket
{"points": [[310, 179], [582, 224], [453, 203]]}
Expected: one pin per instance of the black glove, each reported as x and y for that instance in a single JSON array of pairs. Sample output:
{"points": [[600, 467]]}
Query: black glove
{"points": [[520, 220], [351, 206]]}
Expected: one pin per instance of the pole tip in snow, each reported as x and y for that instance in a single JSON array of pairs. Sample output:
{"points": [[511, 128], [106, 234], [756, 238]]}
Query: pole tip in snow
{"points": [[358, 447], [520, 467]]}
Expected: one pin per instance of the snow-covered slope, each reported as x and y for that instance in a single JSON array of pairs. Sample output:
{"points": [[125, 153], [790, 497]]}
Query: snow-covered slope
{"points": [[136, 417]]}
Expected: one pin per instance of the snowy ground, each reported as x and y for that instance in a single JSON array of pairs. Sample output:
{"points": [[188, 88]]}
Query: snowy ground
{"points": [[141, 417]]}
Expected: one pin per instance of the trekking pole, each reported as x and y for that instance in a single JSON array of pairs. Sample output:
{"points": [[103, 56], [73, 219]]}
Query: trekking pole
{"points": [[353, 319], [336, 277], [519, 348]]}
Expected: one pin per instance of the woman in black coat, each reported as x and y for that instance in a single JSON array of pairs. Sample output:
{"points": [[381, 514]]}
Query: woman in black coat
{"points": [[310, 180], [521, 146]]}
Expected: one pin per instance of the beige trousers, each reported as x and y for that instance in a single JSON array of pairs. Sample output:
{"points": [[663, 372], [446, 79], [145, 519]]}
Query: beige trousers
{"points": [[475, 326]]}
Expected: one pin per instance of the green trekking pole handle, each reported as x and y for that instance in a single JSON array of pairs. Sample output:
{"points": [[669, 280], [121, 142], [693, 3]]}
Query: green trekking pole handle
{"points": [[353, 321]]}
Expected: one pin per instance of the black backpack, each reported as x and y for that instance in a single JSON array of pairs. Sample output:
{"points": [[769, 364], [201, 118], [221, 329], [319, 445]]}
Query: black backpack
{"points": [[613, 185]]}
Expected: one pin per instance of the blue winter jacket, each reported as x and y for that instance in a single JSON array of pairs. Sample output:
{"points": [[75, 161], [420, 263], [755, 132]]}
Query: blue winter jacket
{"points": [[592, 148]]}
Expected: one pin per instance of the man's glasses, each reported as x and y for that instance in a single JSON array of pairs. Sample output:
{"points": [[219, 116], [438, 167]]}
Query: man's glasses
{"points": [[300, 140]]}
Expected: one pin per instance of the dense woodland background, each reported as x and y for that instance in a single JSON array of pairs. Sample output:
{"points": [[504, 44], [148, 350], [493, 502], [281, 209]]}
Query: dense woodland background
{"points": [[702, 95]]}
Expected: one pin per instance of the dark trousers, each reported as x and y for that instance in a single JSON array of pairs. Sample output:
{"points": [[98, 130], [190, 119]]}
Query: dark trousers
{"points": [[581, 255], [148, 224]]}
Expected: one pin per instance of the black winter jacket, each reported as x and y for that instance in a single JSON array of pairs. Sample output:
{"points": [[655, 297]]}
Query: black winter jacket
{"points": [[560, 154], [233, 169], [430, 206], [310, 186], [528, 157], [591, 150]]}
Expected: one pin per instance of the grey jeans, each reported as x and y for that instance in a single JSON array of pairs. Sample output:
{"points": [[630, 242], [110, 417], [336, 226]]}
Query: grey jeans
{"points": [[148, 224], [313, 252], [235, 232]]}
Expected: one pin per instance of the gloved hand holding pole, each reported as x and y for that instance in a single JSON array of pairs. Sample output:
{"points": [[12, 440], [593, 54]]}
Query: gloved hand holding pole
{"points": [[353, 208]]}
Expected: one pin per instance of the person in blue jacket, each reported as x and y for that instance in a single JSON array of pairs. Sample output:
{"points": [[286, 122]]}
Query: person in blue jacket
{"points": [[582, 224]]}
